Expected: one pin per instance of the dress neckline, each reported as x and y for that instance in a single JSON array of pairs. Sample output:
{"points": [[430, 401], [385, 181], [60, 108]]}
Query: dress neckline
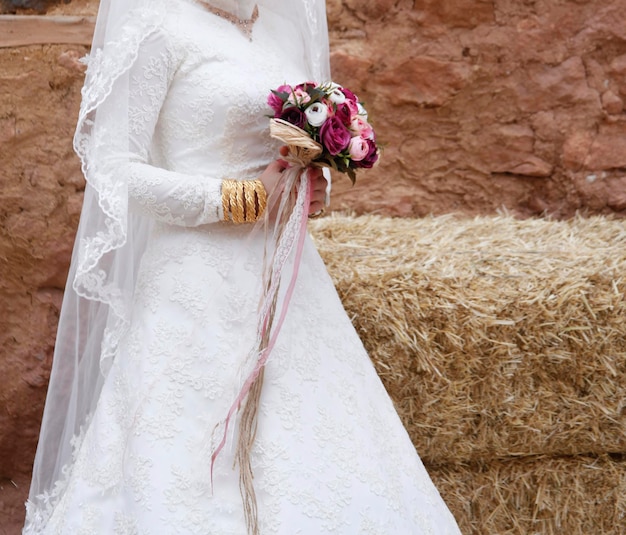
{"points": [[246, 26]]}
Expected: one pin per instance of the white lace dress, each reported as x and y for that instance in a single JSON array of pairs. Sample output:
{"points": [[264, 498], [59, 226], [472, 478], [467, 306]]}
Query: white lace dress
{"points": [[331, 455]]}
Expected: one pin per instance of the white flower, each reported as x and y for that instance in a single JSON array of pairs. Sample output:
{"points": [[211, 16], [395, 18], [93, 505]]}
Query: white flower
{"points": [[337, 96], [316, 114], [362, 111]]}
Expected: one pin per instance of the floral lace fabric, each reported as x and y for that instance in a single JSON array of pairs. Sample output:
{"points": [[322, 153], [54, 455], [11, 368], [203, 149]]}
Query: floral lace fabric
{"points": [[331, 455]]}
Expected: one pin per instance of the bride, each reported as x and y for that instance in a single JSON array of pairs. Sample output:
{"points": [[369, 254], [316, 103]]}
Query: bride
{"points": [[162, 303]]}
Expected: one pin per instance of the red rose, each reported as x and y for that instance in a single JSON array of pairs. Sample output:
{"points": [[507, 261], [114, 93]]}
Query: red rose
{"points": [[334, 135]]}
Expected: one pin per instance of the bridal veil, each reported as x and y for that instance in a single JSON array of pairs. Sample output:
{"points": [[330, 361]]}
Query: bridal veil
{"points": [[111, 240]]}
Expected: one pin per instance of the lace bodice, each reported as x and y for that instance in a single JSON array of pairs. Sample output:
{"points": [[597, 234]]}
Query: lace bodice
{"points": [[193, 120]]}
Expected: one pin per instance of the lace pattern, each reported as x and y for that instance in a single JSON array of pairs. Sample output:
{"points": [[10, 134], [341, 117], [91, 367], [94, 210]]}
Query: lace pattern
{"points": [[331, 456]]}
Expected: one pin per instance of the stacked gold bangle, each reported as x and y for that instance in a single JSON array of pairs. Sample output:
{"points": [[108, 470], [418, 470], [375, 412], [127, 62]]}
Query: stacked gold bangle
{"points": [[243, 201]]}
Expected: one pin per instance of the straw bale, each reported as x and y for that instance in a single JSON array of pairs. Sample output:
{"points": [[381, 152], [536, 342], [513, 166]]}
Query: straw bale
{"points": [[495, 337], [578, 496]]}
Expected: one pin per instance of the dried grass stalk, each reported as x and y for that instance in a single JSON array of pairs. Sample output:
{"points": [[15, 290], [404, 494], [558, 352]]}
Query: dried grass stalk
{"points": [[577, 496], [495, 337]]}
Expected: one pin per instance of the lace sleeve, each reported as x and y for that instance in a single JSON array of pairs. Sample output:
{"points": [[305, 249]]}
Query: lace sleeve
{"points": [[169, 196], [175, 198]]}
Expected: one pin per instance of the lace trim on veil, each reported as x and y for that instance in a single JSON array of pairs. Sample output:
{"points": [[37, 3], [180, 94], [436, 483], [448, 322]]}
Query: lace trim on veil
{"points": [[38, 514], [105, 66]]}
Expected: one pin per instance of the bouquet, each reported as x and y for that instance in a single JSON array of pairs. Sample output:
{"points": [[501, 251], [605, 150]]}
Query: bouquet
{"points": [[328, 122], [323, 125]]}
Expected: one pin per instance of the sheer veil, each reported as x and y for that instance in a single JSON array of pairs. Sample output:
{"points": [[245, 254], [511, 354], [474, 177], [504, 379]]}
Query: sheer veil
{"points": [[110, 240]]}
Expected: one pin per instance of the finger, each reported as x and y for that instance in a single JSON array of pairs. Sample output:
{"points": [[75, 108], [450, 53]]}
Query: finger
{"points": [[284, 150], [315, 207], [279, 165], [320, 185], [315, 173], [318, 198], [319, 192]]}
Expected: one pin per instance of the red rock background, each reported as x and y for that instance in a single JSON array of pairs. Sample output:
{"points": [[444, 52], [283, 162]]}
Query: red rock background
{"points": [[488, 105], [482, 105]]}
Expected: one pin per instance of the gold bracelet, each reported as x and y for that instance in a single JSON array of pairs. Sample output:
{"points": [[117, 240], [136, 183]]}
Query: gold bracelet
{"points": [[261, 197], [227, 188], [236, 203], [243, 201], [251, 213]]}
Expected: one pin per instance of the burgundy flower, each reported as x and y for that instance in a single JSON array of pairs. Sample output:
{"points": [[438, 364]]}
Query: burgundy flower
{"points": [[334, 135], [350, 95], [294, 116], [371, 158], [344, 113]]}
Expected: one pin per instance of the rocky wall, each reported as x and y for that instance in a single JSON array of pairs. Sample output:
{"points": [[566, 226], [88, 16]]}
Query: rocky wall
{"points": [[481, 105], [40, 197], [488, 104]]}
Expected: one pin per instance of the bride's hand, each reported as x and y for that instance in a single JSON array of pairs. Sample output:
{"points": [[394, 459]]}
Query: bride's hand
{"points": [[318, 199], [272, 174]]}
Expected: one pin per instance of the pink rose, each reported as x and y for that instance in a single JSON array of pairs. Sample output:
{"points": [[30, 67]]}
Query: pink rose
{"points": [[277, 98], [334, 135], [352, 101], [299, 97], [276, 103], [371, 157], [358, 148], [361, 127]]}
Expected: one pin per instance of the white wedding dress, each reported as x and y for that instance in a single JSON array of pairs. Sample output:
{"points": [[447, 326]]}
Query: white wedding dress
{"points": [[331, 455]]}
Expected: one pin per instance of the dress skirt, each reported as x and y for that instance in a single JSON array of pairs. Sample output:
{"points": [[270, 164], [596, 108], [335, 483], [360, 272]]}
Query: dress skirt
{"points": [[331, 455]]}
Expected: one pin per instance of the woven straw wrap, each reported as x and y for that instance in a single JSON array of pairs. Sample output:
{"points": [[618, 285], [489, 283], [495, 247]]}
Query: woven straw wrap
{"points": [[302, 149]]}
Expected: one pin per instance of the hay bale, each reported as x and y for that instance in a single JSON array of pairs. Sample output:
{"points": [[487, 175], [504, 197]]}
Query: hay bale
{"points": [[577, 496], [495, 337]]}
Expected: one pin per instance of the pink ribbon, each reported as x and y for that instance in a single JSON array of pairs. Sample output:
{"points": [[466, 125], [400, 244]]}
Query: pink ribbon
{"points": [[264, 355]]}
